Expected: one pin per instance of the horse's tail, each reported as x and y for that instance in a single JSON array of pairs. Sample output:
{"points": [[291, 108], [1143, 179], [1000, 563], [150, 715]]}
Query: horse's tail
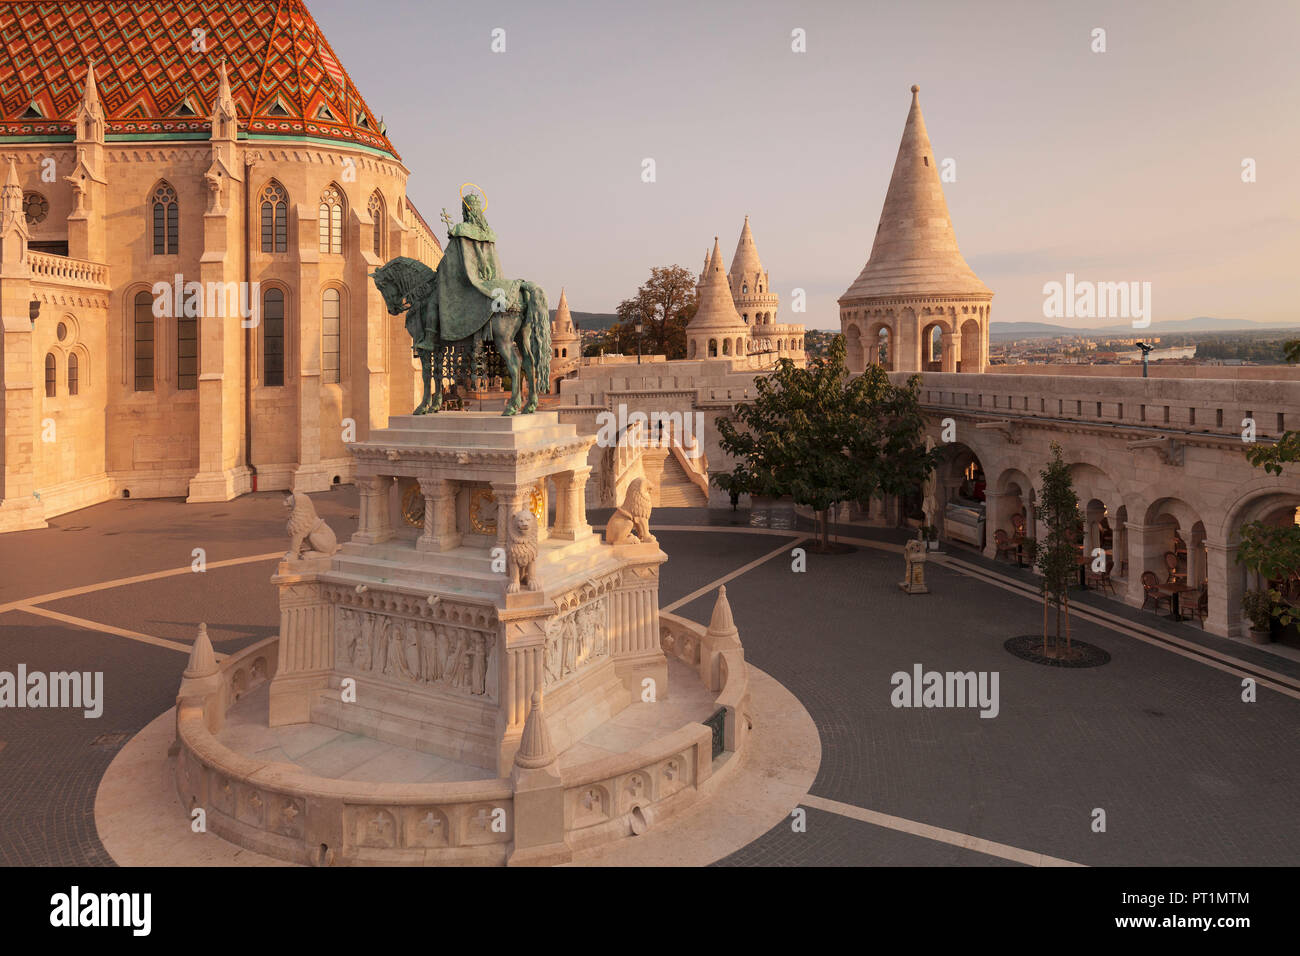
{"points": [[537, 319]]}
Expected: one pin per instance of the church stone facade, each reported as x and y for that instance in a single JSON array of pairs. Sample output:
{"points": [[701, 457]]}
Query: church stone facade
{"points": [[184, 249]]}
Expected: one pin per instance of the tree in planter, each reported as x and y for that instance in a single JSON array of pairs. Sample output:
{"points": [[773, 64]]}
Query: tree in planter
{"points": [[821, 438], [1273, 553], [1057, 557]]}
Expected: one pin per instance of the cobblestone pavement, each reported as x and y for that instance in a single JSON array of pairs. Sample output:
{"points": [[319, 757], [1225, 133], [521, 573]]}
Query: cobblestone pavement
{"points": [[1185, 771]]}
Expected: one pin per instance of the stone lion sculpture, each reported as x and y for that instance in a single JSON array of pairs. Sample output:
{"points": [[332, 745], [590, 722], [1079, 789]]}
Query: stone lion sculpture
{"points": [[632, 518], [308, 532], [521, 551]]}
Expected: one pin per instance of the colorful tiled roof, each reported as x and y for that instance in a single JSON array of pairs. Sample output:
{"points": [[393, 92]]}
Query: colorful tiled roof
{"points": [[156, 80]]}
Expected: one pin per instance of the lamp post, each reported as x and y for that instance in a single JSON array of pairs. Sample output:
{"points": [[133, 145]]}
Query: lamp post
{"points": [[639, 327]]}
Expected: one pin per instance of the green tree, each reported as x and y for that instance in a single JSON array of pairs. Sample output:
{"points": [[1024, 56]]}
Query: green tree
{"points": [[1287, 448], [822, 438], [1058, 552], [663, 305]]}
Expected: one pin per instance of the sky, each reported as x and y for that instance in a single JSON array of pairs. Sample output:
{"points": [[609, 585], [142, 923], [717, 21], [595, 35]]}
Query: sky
{"points": [[1123, 165]]}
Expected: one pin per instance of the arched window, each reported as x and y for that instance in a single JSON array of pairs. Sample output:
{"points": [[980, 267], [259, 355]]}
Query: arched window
{"points": [[273, 337], [187, 353], [330, 337], [713, 348], [275, 217], [165, 220], [143, 342], [376, 210], [74, 368], [49, 375], [331, 220]]}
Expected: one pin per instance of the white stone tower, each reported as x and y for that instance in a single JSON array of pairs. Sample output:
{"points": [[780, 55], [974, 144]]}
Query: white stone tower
{"points": [[751, 291], [717, 330], [916, 288], [566, 344]]}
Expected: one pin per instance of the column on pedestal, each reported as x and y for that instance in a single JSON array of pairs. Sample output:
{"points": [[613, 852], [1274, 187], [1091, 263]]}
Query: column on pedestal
{"points": [[374, 524], [571, 504], [997, 515], [1147, 545], [951, 351], [440, 533], [510, 498], [1227, 586]]}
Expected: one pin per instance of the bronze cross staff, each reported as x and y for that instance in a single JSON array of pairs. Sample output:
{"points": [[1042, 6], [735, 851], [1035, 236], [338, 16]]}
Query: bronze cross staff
{"points": [[446, 218]]}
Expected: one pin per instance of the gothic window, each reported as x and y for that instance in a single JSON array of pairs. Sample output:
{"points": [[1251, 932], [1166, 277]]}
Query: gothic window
{"points": [[165, 216], [35, 207], [331, 220], [275, 217], [187, 353], [74, 369], [376, 210], [273, 337], [49, 375], [330, 322], [143, 342]]}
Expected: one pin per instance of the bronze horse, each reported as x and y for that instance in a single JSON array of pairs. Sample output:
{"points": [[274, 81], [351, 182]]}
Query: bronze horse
{"points": [[522, 319]]}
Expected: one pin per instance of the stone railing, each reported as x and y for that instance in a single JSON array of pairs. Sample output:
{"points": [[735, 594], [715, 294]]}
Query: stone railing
{"points": [[1196, 406], [285, 812], [627, 793], [60, 270], [721, 665], [282, 811]]}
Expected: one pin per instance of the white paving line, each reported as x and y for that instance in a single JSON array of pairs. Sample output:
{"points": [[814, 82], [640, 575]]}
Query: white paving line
{"points": [[105, 628], [1170, 643], [713, 585], [121, 582], [938, 834]]}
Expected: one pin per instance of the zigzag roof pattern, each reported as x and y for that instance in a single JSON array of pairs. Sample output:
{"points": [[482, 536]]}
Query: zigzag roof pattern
{"points": [[284, 76]]}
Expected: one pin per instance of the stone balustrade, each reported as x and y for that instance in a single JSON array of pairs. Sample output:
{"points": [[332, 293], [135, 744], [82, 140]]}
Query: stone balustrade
{"points": [[1193, 405], [61, 270], [285, 812]]}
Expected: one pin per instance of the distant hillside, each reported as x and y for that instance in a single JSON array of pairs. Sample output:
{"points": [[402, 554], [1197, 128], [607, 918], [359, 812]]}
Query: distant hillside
{"points": [[591, 321], [1020, 330]]}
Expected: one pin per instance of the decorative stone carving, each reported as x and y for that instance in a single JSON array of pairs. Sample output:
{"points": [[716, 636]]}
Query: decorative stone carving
{"points": [[575, 640], [632, 517], [419, 652], [522, 551], [309, 535]]}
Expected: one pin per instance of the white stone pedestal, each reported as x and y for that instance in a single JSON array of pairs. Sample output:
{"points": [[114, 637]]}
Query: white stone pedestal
{"points": [[408, 634]]}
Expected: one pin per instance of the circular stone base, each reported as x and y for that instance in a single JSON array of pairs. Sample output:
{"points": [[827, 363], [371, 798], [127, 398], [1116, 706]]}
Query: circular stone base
{"points": [[141, 822], [1029, 647]]}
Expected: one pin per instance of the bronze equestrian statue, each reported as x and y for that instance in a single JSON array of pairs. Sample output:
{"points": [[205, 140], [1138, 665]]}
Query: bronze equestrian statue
{"points": [[450, 312]]}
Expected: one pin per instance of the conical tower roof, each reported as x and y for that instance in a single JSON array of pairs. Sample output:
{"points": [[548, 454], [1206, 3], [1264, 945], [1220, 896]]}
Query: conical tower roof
{"points": [[717, 310], [915, 250], [745, 263], [562, 327]]}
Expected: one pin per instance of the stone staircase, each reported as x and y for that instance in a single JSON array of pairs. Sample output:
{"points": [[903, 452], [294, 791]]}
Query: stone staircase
{"points": [[673, 489]]}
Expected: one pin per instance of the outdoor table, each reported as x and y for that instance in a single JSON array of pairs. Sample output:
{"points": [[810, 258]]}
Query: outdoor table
{"points": [[1174, 589]]}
